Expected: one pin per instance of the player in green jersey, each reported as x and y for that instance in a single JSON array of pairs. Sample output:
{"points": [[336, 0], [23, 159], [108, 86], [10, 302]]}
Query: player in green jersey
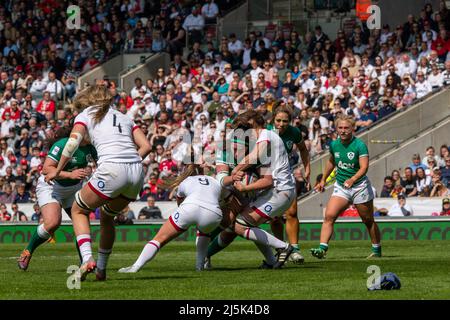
{"points": [[291, 136], [351, 157], [52, 198]]}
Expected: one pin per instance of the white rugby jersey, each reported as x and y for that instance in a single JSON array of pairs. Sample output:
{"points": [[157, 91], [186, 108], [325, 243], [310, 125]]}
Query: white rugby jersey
{"points": [[204, 191], [112, 137], [279, 161]]}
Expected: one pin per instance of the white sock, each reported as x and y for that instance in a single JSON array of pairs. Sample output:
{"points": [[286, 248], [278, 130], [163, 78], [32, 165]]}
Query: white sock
{"points": [[102, 259], [42, 233], [202, 250], [148, 253], [265, 238], [267, 253], [84, 243]]}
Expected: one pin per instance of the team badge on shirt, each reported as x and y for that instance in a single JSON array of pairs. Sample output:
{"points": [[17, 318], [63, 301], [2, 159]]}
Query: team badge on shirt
{"points": [[350, 155]]}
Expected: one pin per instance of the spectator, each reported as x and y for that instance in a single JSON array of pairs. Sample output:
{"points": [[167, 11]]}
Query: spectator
{"points": [[445, 172], [150, 211], [17, 215], [423, 183], [388, 187], [445, 207], [439, 189], [409, 183], [7, 196], [4, 214], [210, 12], [37, 215], [401, 208], [22, 196], [416, 163], [194, 24]]}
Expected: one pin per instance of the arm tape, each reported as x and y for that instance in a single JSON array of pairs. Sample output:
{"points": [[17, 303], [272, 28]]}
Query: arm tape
{"points": [[220, 175], [72, 145]]}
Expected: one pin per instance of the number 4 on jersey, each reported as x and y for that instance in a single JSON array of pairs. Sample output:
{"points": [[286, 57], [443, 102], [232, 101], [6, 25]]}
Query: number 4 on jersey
{"points": [[115, 125]]}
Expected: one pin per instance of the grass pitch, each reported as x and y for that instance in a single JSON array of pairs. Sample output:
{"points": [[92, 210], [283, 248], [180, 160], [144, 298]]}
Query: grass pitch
{"points": [[422, 266]]}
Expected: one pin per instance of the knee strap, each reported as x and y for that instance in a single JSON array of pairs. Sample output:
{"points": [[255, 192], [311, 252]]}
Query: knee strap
{"points": [[240, 220], [81, 203], [110, 212]]}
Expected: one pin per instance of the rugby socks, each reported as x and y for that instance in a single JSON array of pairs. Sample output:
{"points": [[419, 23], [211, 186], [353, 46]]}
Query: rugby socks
{"points": [[376, 248], [216, 245], [215, 232], [39, 237], [148, 253], [201, 242], [323, 246], [103, 256], [84, 243], [265, 238], [296, 246], [267, 253]]}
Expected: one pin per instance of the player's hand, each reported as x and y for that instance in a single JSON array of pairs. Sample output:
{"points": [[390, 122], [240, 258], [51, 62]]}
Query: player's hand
{"points": [[348, 183], [50, 176], [239, 186], [320, 187], [79, 174], [237, 176]]}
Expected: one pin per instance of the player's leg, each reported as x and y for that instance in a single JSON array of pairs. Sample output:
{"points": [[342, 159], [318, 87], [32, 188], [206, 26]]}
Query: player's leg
{"points": [[365, 211], [69, 213], [246, 226], [169, 231], [51, 213], [206, 221], [86, 200], [292, 229], [277, 227], [335, 206]]}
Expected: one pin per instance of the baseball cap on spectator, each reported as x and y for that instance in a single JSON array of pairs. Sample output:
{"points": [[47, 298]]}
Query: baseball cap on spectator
{"points": [[147, 96], [147, 117], [42, 154], [445, 200], [58, 46], [146, 186], [12, 159], [436, 169], [23, 162], [1, 159]]}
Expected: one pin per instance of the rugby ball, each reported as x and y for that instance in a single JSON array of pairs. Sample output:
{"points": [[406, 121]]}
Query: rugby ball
{"points": [[248, 178]]}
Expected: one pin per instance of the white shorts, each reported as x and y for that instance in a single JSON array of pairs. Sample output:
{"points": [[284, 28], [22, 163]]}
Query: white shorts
{"points": [[189, 214], [56, 193], [273, 203], [112, 180], [361, 193]]}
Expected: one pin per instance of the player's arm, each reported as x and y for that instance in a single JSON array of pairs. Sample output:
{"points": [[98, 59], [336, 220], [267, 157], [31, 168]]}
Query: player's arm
{"points": [[329, 167], [72, 144], [142, 142], [264, 182], [304, 154], [50, 166], [223, 175], [363, 167], [258, 153]]}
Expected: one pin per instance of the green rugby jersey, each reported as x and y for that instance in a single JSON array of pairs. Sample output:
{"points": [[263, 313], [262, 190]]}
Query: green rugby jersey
{"points": [[79, 159], [346, 158]]}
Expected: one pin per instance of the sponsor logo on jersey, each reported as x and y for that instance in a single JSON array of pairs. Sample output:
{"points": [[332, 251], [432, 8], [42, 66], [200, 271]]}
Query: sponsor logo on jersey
{"points": [[55, 151], [337, 154], [350, 155], [268, 208], [344, 165]]}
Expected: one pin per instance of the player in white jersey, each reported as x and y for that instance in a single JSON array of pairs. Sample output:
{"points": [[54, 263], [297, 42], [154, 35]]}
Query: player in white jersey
{"points": [[273, 201], [119, 175], [198, 199]]}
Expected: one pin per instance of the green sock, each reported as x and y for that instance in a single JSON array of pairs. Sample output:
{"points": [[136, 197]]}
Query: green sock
{"points": [[215, 232], [296, 246], [376, 248], [39, 237], [323, 246], [215, 247]]}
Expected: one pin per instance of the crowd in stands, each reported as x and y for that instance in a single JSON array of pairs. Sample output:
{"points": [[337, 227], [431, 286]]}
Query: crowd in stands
{"points": [[366, 73], [427, 176]]}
